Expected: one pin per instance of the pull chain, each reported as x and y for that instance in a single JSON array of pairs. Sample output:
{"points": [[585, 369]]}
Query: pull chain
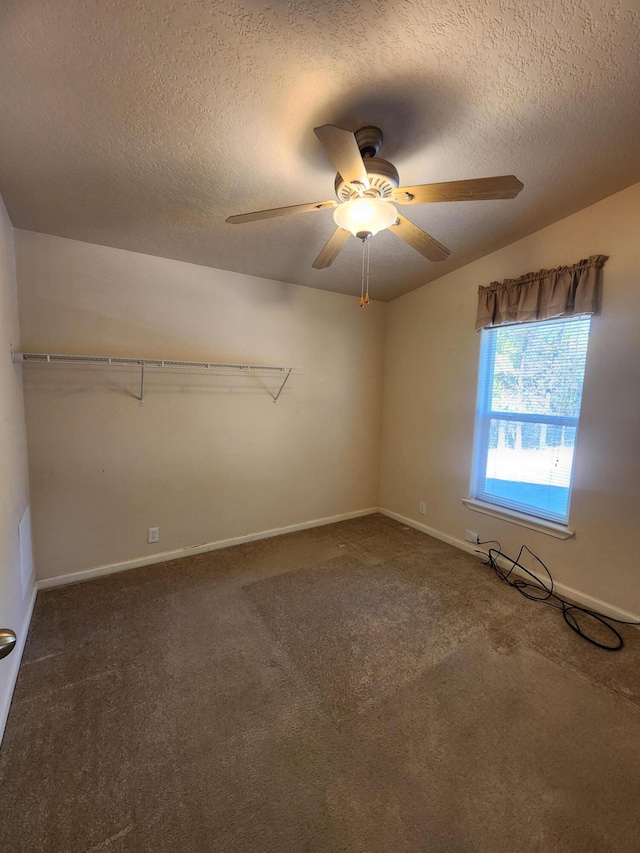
{"points": [[366, 298], [364, 294], [362, 277]]}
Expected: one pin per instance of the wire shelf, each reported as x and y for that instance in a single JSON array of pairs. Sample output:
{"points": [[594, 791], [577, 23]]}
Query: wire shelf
{"points": [[212, 367]]}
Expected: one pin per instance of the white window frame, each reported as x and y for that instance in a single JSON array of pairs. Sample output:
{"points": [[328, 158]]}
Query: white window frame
{"points": [[481, 501]]}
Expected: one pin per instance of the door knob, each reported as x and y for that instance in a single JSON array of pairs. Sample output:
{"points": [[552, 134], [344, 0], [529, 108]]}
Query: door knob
{"points": [[7, 642]]}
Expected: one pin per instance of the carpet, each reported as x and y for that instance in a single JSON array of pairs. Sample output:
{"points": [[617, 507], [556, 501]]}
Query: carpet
{"points": [[359, 687]]}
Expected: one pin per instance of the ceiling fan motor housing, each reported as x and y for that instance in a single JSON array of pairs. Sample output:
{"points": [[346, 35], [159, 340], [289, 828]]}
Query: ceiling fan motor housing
{"points": [[383, 177]]}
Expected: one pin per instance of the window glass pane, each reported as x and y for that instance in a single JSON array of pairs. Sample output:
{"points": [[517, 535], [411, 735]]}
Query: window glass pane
{"points": [[530, 465], [539, 368], [529, 396]]}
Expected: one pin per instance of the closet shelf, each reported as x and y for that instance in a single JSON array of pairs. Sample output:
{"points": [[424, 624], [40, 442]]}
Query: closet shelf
{"points": [[218, 368]]}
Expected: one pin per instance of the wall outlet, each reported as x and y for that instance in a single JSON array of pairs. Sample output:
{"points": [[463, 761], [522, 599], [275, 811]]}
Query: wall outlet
{"points": [[154, 535], [422, 508], [471, 536]]}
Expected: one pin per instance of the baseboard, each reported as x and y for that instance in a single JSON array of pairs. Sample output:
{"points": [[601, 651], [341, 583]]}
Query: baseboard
{"points": [[582, 598], [165, 556], [578, 597], [13, 665], [431, 531]]}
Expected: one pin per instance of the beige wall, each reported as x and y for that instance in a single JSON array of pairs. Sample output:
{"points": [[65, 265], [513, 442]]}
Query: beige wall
{"points": [[209, 459], [430, 391], [205, 458], [14, 480]]}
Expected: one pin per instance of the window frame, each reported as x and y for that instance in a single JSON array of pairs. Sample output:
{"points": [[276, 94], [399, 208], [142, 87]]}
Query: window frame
{"points": [[479, 499]]}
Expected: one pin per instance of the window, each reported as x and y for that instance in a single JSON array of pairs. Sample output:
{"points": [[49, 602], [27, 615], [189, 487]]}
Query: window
{"points": [[529, 393]]}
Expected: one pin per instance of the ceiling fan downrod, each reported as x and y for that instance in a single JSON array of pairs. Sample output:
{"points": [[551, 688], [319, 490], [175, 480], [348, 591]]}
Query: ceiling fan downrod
{"points": [[369, 140]]}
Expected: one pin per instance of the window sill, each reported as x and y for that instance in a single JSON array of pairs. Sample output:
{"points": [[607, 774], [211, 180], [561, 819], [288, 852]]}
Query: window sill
{"points": [[559, 531]]}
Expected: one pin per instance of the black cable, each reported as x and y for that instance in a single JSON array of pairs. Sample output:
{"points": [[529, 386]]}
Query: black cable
{"points": [[543, 592]]}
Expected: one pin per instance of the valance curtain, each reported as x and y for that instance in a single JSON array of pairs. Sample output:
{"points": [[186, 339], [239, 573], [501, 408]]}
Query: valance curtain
{"points": [[542, 295]]}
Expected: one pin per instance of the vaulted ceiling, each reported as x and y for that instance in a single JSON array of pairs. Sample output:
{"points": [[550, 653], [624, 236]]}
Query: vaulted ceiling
{"points": [[143, 125]]}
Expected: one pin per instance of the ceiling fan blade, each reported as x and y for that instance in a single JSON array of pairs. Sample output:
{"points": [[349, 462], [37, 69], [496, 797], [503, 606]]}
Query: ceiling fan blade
{"points": [[476, 189], [419, 239], [331, 248], [280, 211], [343, 151]]}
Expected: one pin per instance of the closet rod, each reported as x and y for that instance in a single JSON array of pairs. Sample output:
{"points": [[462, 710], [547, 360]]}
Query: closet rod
{"points": [[159, 364]]}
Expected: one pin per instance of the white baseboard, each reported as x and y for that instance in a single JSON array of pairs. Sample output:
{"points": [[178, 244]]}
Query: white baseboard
{"points": [[430, 531], [575, 595], [164, 556], [13, 665]]}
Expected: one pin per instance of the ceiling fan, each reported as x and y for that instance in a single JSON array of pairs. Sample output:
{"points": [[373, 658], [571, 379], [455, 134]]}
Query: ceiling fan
{"points": [[367, 188]]}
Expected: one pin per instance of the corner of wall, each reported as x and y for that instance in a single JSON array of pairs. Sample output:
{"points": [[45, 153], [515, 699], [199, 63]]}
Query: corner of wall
{"points": [[17, 588]]}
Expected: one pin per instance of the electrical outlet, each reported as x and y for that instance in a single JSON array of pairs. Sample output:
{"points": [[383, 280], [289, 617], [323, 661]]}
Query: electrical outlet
{"points": [[154, 535], [422, 508], [471, 536]]}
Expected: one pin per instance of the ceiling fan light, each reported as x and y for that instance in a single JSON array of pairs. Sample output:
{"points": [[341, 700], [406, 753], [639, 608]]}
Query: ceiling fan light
{"points": [[365, 215]]}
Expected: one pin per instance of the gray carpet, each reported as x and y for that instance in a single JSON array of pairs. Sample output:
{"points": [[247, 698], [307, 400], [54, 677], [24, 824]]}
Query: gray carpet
{"points": [[358, 687]]}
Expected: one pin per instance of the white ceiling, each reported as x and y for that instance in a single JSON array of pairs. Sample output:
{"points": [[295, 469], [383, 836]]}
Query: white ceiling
{"points": [[143, 125]]}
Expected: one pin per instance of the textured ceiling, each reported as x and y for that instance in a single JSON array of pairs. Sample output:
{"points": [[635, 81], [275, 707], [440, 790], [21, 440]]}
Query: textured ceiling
{"points": [[143, 125]]}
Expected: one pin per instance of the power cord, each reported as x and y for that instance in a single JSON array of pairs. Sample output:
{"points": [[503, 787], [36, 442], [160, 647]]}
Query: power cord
{"points": [[539, 590]]}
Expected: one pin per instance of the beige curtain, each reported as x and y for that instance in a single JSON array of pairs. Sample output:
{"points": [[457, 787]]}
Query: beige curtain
{"points": [[542, 295]]}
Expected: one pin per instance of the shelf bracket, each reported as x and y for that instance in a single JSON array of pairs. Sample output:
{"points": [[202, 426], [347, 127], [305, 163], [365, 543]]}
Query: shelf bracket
{"points": [[275, 399], [141, 400]]}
